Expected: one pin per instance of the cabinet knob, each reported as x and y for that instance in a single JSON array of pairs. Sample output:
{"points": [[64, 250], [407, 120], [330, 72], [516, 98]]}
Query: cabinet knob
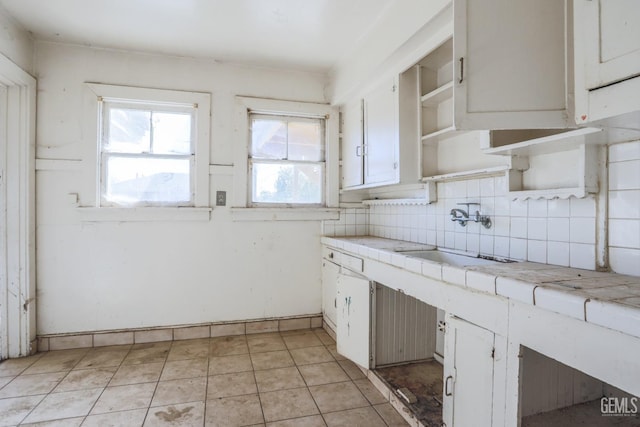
{"points": [[330, 255]]}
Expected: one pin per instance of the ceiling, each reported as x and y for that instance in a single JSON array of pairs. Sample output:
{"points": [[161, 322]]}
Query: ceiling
{"points": [[310, 35]]}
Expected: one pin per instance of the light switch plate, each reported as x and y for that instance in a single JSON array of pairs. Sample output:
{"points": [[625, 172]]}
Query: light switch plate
{"points": [[221, 198]]}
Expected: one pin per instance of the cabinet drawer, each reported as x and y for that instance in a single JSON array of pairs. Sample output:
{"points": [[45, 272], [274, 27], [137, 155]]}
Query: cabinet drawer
{"points": [[347, 261], [352, 263], [331, 254]]}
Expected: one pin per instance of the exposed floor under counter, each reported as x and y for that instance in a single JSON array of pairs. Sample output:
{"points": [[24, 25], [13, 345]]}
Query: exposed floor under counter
{"points": [[424, 380], [586, 414]]}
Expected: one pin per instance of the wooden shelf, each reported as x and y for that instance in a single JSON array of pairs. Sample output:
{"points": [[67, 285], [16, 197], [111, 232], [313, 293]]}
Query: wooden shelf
{"points": [[383, 202], [553, 193], [433, 98], [558, 141], [438, 135], [497, 170]]}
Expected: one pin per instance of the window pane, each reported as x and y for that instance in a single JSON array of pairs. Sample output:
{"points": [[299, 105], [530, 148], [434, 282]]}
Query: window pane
{"points": [[171, 133], [305, 141], [268, 139], [129, 131], [287, 183], [131, 180]]}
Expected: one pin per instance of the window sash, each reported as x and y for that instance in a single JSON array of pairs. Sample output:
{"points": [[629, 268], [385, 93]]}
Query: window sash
{"points": [[253, 186], [288, 118], [105, 154], [104, 159]]}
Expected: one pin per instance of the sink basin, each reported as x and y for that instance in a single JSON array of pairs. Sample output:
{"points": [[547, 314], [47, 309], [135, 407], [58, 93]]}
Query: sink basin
{"points": [[449, 258]]}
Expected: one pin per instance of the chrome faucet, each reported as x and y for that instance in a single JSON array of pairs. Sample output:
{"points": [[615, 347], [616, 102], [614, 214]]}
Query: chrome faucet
{"points": [[462, 216]]}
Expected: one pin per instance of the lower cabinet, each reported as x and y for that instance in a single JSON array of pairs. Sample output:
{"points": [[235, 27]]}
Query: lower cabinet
{"points": [[353, 334], [468, 374], [330, 273]]}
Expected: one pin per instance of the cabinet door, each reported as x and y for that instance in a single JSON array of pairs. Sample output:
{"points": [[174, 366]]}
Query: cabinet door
{"points": [[510, 64], [468, 372], [381, 135], [353, 337], [352, 141], [611, 29], [330, 273]]}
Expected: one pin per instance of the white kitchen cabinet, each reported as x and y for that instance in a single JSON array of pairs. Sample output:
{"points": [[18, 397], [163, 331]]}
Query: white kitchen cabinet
{"points": [[330, 273], [504, 67], [370, 138], [501, 66], [380, 150], [607, 59], [353, 336], [468, 374], [380, 141], [352, 141]]}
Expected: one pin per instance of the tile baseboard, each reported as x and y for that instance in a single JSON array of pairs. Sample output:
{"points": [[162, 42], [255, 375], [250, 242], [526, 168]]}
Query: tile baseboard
{"points": [[177, 333]]}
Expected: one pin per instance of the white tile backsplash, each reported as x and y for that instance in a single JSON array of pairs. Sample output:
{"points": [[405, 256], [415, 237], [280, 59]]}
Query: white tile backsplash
{"points": [[518, 249], [624, 208], [537, 228], [583, 207], [558, 253], [558, 208], [624, 175], [538, 208], [537, 251], [625, 260], [582, 230], [624, 204], [559, 231], [519, 227], [582, 256], [624, 233], [622, 152]]}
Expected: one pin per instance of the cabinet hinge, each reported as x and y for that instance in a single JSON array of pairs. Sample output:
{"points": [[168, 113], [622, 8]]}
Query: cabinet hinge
{"points": [[395, 165], [393, 88], [493, 353]]}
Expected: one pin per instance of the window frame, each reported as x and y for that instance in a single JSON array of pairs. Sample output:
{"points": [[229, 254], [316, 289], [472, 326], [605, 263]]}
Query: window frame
{"points": [[251, 160], [245, 106], [96, 93]]}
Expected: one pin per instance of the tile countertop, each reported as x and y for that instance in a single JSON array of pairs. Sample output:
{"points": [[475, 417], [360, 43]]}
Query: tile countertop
{"points": [[605, 299]]}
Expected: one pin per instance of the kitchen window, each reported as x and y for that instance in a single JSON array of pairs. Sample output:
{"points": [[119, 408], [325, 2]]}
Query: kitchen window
{"points": [[286, 160], [151, 155], [147, 154]]}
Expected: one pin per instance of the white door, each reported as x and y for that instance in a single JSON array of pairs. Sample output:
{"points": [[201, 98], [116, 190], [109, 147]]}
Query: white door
{"points": [[381, 135], [352, 140], [4, 332], [353, 337], [17, 217], [612, 47], [468, 373], [510, 64]]}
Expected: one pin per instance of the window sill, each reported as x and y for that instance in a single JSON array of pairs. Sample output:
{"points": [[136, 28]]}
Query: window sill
{"points": [[91, 214], [284, 214]]}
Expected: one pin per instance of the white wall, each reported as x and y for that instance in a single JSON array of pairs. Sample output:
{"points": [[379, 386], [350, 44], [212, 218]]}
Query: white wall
{"points": [[391, 45], [110, 275], [15, 43]]}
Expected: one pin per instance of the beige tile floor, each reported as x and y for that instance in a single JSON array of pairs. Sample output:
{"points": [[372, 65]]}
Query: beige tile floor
{"points": [[276, 379]]}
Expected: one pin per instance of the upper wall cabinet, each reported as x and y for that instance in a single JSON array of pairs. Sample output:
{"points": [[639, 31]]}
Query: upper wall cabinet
{"points": [[607, 59], [379, 139], [504, 68]]}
